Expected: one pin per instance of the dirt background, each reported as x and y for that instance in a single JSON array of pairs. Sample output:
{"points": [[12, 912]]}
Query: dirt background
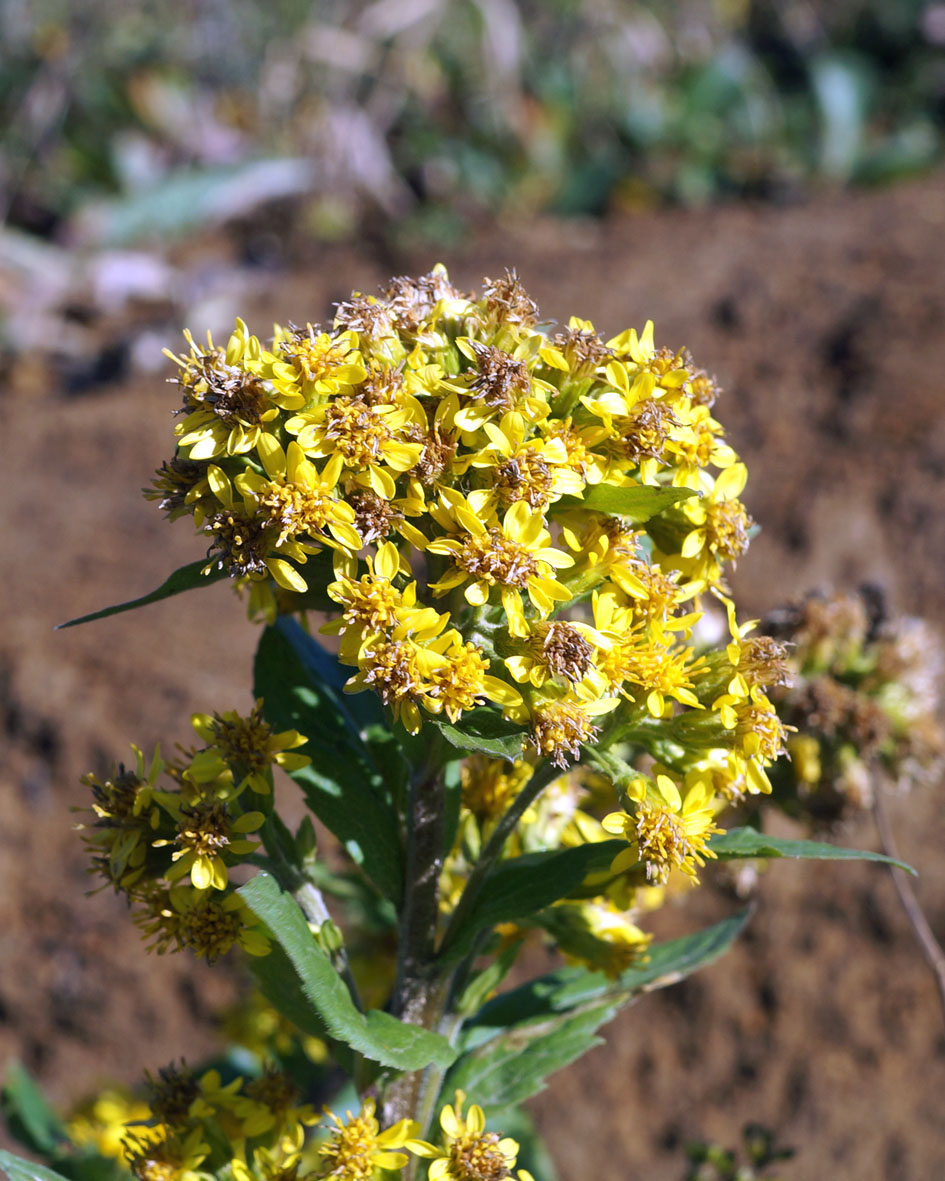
{"points": [[824, 323]]}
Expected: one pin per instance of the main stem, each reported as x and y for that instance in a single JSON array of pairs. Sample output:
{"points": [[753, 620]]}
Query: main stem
{"points": [[419, 993]]}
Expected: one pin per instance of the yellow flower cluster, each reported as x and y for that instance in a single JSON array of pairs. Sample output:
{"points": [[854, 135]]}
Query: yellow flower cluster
{"points": [[168, 849], [198, 1127], [462, 467], [496, 516]]}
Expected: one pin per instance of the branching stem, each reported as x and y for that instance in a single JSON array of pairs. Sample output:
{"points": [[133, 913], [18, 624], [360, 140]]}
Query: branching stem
{"points": [[931, 948], [544, 774]]}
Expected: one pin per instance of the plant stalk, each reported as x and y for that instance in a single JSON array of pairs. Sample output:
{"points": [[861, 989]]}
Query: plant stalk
{"points": [[544, 774], [930, 946], [419, 996]]}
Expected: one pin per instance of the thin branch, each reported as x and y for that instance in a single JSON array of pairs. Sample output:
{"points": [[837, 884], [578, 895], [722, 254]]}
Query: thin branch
{"points": [[545, 773], [931, 948]]}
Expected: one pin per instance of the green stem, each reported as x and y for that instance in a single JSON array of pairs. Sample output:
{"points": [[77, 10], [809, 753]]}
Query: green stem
{"points": [[544, 774]]}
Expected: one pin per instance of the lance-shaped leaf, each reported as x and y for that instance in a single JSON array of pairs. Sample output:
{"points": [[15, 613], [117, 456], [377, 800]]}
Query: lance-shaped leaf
{"points": [[520, 1037], [637, 504], [747, 842], [514, 1067], [570, 987], [484, 731], [17, 1169], [522, 886], [186, 578], [375, 1035], [345, 784]]}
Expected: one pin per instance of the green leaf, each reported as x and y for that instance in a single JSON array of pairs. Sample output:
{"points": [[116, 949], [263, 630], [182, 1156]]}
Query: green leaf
{"points": [[18, 1169], [486, 731], [345, 785], [375, 1035], [29, 1117], [489, 979], [514, 1067], [518, 1039], [637, 504], [186, 578], [746, 842], [568, 988], [521, 886]]}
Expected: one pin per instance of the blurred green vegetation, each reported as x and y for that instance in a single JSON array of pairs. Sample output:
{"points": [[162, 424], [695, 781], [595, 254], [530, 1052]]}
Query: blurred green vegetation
{"points": [[432, 112]]}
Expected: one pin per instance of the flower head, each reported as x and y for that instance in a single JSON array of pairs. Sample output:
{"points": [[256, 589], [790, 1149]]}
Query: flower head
{"points": [[469, 1152]]}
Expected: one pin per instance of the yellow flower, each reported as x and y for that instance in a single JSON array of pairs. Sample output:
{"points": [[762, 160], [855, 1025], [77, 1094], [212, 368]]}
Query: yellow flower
{"points": [[490, 785], [357, 1148], [245, 745], [516, 556], [289, 515], [364, 436], [306, 364], [538, 470], [205, 834], [470, 1152], [666, 830], [103, 1121], [442, 675], [228, 406], [203, 921], [125, 817], [153, 1156], [599, 935], [267, 1105], [717, 524], [373, 605], [557, 650], [562, 727]]}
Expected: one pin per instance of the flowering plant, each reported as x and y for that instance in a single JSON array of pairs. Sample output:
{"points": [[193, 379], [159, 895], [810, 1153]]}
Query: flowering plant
{"points": [[513, 537]]}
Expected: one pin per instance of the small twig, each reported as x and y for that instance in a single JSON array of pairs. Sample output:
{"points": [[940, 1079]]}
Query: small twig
{"points": [[931, 948], [544, 774]]}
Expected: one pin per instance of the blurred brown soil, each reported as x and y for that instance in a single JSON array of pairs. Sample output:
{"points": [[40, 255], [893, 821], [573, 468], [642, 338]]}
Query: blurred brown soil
{"points": [[824, 323]]}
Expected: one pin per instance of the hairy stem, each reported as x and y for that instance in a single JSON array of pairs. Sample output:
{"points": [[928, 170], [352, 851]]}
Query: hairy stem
{"points": [[931, 948], [419, 996]]}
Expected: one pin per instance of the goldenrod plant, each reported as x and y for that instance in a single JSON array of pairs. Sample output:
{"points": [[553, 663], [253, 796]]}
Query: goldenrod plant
{"points": [[480, 551]]}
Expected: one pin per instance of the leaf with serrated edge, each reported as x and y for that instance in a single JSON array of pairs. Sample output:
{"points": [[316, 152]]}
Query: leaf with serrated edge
{"points": [[746, 842], [506, 746], [375, 1035], [515, 1070], [187, 578]]}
